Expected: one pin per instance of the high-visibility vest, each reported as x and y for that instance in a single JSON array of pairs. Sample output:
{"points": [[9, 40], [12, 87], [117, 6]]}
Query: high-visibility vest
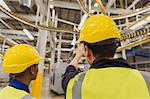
{"points": [[108, 83], [13, 93]]}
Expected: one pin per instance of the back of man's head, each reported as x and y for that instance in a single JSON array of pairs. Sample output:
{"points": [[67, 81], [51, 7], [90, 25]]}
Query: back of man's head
{"points": [[100, 34], [103, 49]]}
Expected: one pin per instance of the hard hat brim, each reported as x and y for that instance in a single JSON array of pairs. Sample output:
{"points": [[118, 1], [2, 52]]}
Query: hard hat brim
{"points": [[15, 68]]}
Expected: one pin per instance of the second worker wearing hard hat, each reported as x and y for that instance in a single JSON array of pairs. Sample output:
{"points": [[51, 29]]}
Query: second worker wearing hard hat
{"points": [[21, 61], [107, 78]]}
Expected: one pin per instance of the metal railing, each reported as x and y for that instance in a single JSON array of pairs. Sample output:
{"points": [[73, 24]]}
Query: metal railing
{"points": [[143, 66]]}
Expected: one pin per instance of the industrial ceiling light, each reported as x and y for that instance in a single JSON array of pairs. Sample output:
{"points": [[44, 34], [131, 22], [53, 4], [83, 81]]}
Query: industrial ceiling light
{"points": [[3, 4], [55, 38], [96, 5], [49, 59], [51, 6], [28, 34]]}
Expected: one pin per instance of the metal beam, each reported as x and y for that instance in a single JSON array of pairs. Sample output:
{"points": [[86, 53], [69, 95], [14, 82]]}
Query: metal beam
{"points": [[113, 10], [64, 4], [133, 4], [43, 9], [8, 41], [59, 47], [29, 16], [63, 49], [126, 24], [64, 41], [118, 10], [121, 4], [76, 6], [18, 32], [17, 37], [133, 44], [34, 18], [41, 46], [64, 21], [140, 23], [5, 23], [110, 3], [101, 6]]}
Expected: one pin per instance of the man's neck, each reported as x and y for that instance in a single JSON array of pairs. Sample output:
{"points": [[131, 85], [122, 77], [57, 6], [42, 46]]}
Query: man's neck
{"points": [[23, 80], [100, 58]]}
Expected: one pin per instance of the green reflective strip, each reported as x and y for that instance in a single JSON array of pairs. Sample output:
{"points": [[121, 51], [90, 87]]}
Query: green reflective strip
{"points": [[77, 87]]}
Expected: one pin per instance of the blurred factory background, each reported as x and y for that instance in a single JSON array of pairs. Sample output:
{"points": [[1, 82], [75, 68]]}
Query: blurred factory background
{"points": [[52, 26]]}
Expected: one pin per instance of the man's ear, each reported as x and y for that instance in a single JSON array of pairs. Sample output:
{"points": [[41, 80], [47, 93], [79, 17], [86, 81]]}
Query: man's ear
{"points": [[32, 70], [87, 51]]}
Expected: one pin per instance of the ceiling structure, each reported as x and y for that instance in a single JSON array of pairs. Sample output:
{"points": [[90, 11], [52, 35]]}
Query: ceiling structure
{"points": [[66, 15]]}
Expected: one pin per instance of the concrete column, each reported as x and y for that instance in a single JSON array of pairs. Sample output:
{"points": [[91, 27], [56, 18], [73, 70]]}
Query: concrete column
{"points": [[54, 23], [59, 48], [123, 51], [90, 6], [41, 47]]}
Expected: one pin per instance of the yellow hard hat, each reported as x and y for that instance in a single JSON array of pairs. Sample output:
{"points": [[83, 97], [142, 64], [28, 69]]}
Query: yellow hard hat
{"points": [[19, 57], [98, 28]]}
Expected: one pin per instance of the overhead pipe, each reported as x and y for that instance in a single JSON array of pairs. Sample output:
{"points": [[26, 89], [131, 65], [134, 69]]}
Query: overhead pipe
{"points": [[26, 21], [83, 8], [101, 6], [133, 44], [131, 14], [30, 23], [140, 23], [8, 41], [118, 17]]}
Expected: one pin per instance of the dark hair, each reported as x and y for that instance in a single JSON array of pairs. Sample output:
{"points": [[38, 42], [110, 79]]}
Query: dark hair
{"points": [[106, 48]]}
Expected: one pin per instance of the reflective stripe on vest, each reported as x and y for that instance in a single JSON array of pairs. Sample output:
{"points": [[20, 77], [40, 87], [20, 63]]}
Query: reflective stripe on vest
{"points": [[146, 76], [27, 97], [132, 85], [78, 86], [13, 93]]}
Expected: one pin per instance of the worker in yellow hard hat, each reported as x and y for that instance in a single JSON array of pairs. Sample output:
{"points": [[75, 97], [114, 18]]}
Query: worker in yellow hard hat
{"points": [[107, 78], [21, 61]]}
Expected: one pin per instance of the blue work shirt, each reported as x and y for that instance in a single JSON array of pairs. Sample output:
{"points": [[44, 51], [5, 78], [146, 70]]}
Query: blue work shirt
{"points": [[19, 85]]}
